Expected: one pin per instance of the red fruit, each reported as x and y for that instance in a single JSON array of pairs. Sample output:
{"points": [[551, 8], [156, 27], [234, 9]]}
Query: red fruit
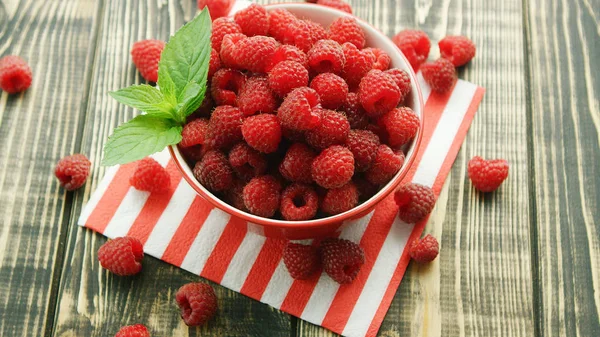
{"points": [[72, 171], [256, 96], [337, 4], [15, 74], [279, 19], [122, 256], [414, 201], [358, 64], [365, 189], [378, 93], [194, 132], [150, 176], [220, 28], [225, 86], [288, 53], [262, 132], [363, 144], [340, 200], [487, 175], [255, 53], [333, 130], [224, 127], [253, 20], [216, 8], [214, 172], [229, 55], [355, 113], [424, 250], [457, 49], [334, 167], [401, 126], [297, 112], [234, 196], [382, 60], [297, 163], [402, 80], [346, 29], [302, 261], [247, 162], [299, 202], [287, 76], [193, 153], [326, 56], [198, 303], [292, 135], [145, 55], [137, 330], [342, 259], [215, 63], [303, 34], [440, 75], [331, 88], [385, 165], [261, 196], [415, 45]]}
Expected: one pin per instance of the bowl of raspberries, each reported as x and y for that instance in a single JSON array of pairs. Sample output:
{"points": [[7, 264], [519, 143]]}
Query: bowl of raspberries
{"points": [[311, 118]]}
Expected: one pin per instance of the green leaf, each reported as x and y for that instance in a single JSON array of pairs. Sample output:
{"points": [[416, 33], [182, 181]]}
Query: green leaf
{"points": [[192, 99], [167, 87], [145, 98], [140, 137]]}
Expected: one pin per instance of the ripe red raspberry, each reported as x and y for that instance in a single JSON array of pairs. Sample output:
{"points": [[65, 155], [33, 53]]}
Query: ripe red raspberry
{"points": [[215, 63], [363, 144], [247, 162], [234, 196], [145, 55], [253, 20], [262, 132], [424, 250], [256, 96], [356, 114], [220, 28], [279, 19], [487, 175], [299, 202], [358, 64], [440, 75], [342, 259], [198, 303], [150, 176], [229, 55], [194, 132], [225, 86], [261, 196], [297, 163], [385, 165], [346, 29], [297, 112], [331, 88], [216, 8], [415, 45], [303, 34], [15, 74], [137, 330], [382, 59], [415, 202], [333, 130], [340, 200], [72, 171], [334, 167], [287, 76], [286, 52], [457, 49], [255, 53], [224, 127], [337, 4], [214, 172], [302, 261], [326, 56], [402, 80], [401, 126], [378, 93], [122, 256]]}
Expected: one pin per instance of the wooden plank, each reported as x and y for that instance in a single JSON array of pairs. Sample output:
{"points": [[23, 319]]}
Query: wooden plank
{"points": [[91, 301], [565, 91], [37, 128]]}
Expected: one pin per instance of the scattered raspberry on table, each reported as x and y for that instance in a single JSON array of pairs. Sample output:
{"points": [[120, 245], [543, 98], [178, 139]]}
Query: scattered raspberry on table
{"points": [[122, 256], [440, 75], [137, 330], [424, 250], [72, 171], [145, 55], [150, 176], [197, 302], [457, 49], [217, 8], [341, 259], [15, 74], [487, 175], [301, 261], [415, 202], [415, 45]]}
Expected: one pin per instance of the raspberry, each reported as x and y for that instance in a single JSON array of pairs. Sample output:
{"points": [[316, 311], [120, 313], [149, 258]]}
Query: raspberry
{"points": [[363, 144], [261, 196], [424, 250], [198, 303], [122, 256], [297, 163], [137, 330], [358, 64], [216, 8], [337, 4], [378, 93], [385, 165], [415, 45], [224, 127], [287, 76], [299, 202], [331, 88], [303, 34], [414, 201], [342, 259], [247, 162], [194, 132], [288, 53], [262, 132], [235, 196], [401, 125], [145, 55], [457, 49], [333, 130], [326, 56], [346, 29], [340, 200], [279, 20], [229, 56], [487, 175], [440, 75], [253, 20], [355, 113], [297, 110], [72, 171], [334, 167], [255, 53], [220, 28], [193, 153], [215, 63], [15, 74], [365, 188], [402, 80], [302, 261], [225, 86], [292, 135], [382, 60], [214, 172], [256, 96], [150, 176]]}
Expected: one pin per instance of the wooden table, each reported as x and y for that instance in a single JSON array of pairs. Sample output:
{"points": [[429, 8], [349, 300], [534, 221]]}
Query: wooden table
{"points": [[524, 261]]}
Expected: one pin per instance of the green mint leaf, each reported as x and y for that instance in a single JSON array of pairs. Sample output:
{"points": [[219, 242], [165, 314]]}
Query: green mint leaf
{"points": [[140, 137], [192, 99], [167, 87], [145, 98]]}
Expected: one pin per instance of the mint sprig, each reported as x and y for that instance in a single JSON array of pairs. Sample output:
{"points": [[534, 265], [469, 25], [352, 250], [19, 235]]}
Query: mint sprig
{"points": [[182, 76]]}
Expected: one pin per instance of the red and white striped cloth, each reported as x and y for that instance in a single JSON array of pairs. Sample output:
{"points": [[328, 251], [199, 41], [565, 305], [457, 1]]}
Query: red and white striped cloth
{"points": [[183, 229]]}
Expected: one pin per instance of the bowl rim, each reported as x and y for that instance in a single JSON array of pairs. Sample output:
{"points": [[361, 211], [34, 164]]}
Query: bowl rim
{"points": [[334, 219]]}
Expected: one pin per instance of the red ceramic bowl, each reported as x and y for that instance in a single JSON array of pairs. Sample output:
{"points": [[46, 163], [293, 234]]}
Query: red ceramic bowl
{"points": [[325, 226]]}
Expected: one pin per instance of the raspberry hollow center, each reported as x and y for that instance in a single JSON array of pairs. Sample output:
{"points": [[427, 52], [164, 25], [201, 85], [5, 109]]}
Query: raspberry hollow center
{"points": [[351, 269], [299, 201]]}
